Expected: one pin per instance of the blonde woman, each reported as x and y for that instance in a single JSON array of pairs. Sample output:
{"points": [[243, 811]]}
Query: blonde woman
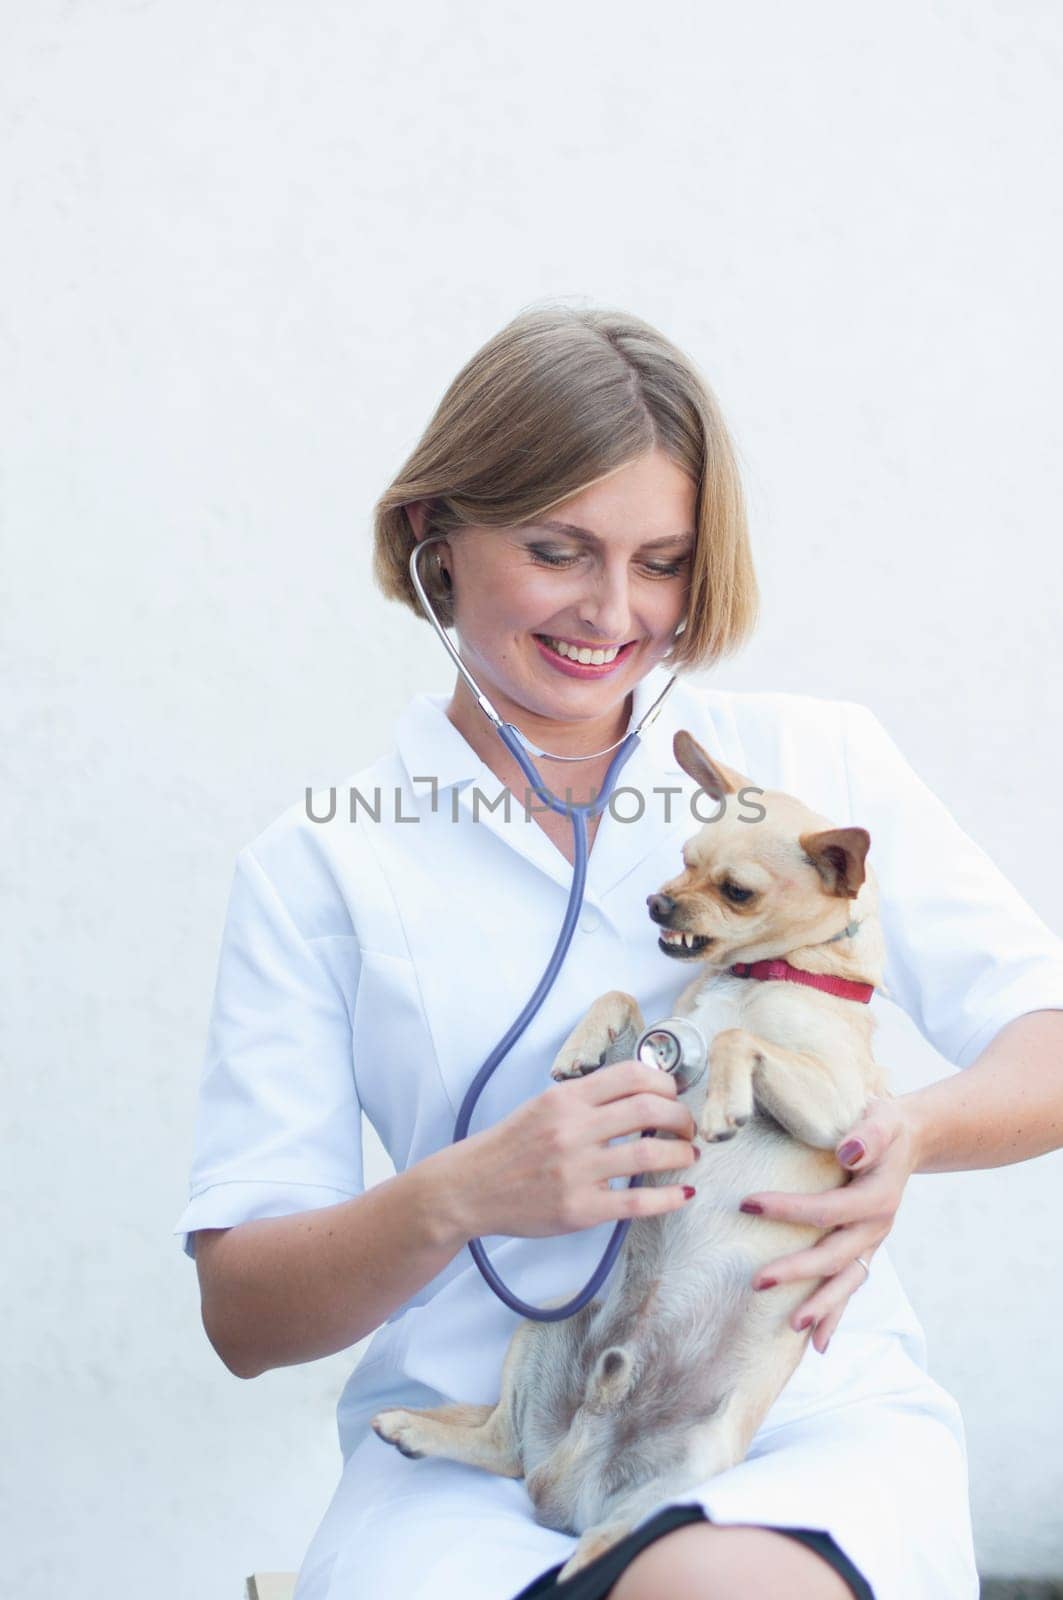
{"points": [[380, 940]]}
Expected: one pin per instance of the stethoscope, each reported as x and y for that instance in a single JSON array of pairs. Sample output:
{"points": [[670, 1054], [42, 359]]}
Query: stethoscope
{"points": [[658, 1046]]}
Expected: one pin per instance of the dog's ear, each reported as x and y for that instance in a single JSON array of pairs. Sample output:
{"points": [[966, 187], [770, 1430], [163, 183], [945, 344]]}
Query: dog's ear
{"points": [[712, 776], [838, 855]]}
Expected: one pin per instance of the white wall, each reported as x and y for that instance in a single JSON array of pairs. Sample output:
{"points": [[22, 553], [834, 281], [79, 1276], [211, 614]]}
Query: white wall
{"points": [[246, 248]]}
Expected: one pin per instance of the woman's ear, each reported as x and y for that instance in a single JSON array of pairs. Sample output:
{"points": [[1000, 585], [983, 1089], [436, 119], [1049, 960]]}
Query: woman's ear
{"points": [[417, 511]]}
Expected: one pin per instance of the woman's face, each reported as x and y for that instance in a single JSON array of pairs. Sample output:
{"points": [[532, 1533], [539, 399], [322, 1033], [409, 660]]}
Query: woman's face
{"points": [[531, 599]]}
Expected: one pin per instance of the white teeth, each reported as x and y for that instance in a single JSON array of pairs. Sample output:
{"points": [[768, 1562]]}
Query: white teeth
{"points": [[596, 658]]}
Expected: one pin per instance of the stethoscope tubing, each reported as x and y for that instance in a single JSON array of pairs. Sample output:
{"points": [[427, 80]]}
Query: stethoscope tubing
{"points": [[518, 747], [578, 815]]}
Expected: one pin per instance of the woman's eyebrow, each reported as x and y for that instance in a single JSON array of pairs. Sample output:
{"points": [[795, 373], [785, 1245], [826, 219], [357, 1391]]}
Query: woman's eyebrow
{"points": [[574, 532]]}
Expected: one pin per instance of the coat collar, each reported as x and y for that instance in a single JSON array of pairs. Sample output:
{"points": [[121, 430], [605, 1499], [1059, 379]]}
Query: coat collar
{"points": [[430, 747]]}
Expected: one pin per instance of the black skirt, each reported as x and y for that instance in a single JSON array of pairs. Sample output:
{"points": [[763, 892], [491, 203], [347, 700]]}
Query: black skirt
{"points": [[596, 1580]]}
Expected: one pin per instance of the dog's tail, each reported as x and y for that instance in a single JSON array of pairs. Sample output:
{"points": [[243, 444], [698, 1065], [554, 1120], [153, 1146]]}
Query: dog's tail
{"points": [[610, 1379]]}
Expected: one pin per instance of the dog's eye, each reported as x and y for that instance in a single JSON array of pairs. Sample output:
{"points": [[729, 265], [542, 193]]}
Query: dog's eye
{"points": [[736, 893]]}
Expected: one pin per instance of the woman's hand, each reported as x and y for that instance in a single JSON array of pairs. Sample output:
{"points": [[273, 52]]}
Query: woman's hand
{"points": [[545, 1168], [879, 1151]]}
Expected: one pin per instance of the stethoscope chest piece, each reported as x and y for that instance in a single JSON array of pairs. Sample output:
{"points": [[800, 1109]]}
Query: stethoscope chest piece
{"points": [[676, 1046]]}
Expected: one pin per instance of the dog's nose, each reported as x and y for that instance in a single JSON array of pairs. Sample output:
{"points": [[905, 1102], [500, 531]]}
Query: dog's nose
{"points": [[661, 906]]}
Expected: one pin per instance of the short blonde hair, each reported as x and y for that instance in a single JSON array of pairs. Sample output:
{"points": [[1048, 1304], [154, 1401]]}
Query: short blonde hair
{"points": [[558, 399]]}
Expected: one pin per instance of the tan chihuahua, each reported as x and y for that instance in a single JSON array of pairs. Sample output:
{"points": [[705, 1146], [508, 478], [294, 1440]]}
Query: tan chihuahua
{"points": [[663, 1382]]}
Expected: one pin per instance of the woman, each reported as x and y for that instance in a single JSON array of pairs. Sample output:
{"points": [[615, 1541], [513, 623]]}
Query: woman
{"points": [[380, 941]]}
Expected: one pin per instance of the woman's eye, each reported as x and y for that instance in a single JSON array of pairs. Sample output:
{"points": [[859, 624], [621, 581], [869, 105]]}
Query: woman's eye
{"points": [[550, 557], [666, 569], [734, 892]]}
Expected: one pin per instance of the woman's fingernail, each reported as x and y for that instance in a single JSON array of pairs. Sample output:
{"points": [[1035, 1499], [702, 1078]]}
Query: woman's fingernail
{"points": [[751, 1206], [689, 1191], [697, 1153], [851, 1153], [803, 1322], [767, 1283]]}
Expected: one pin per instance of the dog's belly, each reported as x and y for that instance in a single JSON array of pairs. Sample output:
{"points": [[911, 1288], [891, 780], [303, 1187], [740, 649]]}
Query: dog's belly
{"points": [[704, 1254], [621, 1394], [680, 1299], [638, 1386], [694, 1265]]}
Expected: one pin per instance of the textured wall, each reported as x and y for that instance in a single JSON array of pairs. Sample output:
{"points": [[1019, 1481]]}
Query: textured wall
{"points": [[246, 248]]}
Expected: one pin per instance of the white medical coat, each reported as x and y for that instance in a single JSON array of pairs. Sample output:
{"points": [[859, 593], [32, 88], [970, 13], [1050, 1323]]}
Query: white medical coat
{"points": [[373, 964]]}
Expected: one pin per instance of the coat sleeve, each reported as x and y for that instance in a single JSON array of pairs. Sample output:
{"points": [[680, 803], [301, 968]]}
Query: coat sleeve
{"points": [[278, 1123], [965, 953]]}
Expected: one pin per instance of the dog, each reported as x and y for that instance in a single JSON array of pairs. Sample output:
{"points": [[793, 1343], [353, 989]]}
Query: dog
{"points": [[663, 1383]]}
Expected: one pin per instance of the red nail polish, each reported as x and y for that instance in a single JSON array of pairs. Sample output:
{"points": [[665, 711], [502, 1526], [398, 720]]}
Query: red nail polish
{"points": [[768, 1283], [689, 1191], [803, 1323], [851, 1153], [751, 1207]]}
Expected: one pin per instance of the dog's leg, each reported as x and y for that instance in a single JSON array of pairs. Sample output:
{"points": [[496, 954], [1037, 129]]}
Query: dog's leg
{"points": [[728, 1100], [478, 1435], [622, 1518], [815, 1100], [606, 1034], [473, 1434], [712, 1449], [703, 1452]]}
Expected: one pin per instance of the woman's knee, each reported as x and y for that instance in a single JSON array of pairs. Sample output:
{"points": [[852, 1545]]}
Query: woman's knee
{"points": [[732, 1563]]}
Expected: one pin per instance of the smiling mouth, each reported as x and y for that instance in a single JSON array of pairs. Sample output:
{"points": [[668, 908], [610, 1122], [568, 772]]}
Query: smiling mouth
{"points": [[585, 655], [683, 945]]}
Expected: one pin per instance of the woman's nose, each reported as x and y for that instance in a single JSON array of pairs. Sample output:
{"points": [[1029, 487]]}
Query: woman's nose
{"points": [[606, 609]]}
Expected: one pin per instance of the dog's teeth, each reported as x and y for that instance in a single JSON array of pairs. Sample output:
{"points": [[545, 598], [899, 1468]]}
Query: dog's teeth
{"points": [[688, 939]]}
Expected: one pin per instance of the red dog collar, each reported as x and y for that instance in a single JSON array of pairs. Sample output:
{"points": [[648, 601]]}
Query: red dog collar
{"points": [[847, 988]]}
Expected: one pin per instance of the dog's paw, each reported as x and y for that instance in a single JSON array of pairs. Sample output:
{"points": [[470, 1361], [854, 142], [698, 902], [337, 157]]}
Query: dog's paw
{"points": [[399, 1428], [722, 1116], [580, 1055], [575, 1064], [594, 1543]]}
